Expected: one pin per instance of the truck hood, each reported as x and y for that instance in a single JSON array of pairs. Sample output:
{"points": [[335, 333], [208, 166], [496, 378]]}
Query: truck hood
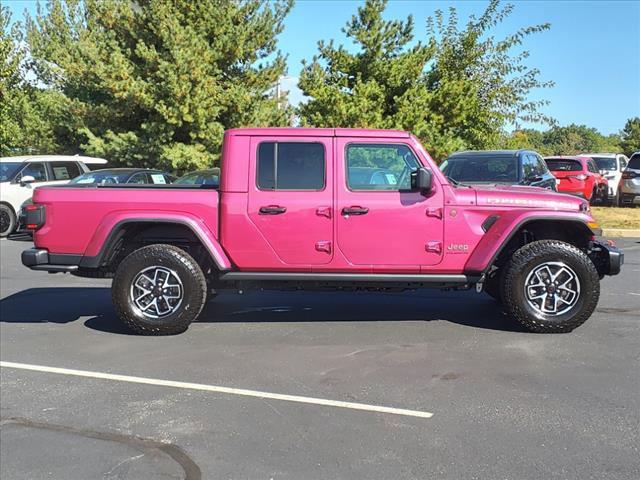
{"points": [[528, 197]]}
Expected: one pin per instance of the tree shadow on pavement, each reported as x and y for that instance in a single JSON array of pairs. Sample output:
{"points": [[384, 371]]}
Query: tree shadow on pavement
{"points": [[68, 304]]}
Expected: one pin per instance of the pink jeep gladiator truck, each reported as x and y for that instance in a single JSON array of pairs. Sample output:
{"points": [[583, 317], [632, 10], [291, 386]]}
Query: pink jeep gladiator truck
{"points": [[304, 209]]}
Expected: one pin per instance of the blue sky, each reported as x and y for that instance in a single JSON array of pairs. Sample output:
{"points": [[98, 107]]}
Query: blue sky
{"points": [[592, 51]]}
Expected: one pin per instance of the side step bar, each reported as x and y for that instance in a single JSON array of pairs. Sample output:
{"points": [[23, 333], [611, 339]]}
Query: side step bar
{"points": [[349, 277]]}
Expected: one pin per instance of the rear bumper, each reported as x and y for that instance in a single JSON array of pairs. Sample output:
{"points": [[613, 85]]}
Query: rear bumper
{"points": [[576, 193], [607, 258], [630, 198], [40, 259]]}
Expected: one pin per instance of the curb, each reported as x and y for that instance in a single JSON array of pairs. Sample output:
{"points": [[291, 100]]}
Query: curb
{"points": [[621, 232]]}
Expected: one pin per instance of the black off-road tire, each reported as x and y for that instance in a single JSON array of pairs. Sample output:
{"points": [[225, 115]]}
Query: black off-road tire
{"points": [[9, 220], [194, 288], [534, 254]]}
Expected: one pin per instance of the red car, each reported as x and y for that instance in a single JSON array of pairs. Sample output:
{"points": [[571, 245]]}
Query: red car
{"points": [[578, 176]]}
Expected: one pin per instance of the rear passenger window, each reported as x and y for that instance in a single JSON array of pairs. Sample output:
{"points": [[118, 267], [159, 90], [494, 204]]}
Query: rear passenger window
{"points": [[65, 170], [291, 166]]}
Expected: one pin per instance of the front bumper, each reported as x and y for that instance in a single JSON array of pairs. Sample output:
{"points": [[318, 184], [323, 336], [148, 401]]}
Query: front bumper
{"points": [[40, 259], [608, 259]]}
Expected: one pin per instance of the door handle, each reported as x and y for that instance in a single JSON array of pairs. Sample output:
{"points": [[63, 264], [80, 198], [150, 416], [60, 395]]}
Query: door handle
{"points": [[355, 210], [272, 210]]}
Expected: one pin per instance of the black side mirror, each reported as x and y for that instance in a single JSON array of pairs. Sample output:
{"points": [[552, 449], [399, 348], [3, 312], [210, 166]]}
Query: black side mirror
{"points": [[422, 180]]}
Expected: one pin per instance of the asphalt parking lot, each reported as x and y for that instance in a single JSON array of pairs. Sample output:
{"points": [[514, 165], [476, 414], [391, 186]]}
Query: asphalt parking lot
{"points": [[506, 404]]}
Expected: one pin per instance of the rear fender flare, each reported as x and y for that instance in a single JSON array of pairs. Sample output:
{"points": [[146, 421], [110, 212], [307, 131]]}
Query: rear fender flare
{"points": [[107, 233]]}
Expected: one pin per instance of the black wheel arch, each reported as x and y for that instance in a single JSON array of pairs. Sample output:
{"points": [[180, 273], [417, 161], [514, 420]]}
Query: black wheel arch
{"points": [[565, 229], [131, 234]]}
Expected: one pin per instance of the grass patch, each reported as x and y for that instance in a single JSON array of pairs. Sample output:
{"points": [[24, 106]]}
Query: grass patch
{"points": [[612, 217]]}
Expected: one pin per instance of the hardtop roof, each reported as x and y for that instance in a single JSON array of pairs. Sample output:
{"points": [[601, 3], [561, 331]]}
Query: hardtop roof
{"points": [[316, 132]]}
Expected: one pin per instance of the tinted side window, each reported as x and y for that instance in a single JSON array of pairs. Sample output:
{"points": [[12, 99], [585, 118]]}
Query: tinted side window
{"points": [[530, 166], [139, 178], [380, 167], [64, 170], [36, 170], [291, 166], [591, 166], [542, 166]]}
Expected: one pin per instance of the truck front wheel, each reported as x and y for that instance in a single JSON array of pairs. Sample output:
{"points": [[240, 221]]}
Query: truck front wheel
{"points": [[550, 286], [158, 290]]}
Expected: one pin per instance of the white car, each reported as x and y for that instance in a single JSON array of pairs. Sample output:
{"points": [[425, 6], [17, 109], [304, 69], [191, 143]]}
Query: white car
{"points": [[611, 166], [20, 175]]}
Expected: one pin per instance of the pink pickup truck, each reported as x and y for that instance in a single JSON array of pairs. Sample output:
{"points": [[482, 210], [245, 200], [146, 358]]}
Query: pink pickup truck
{"points": [[323, 208]]}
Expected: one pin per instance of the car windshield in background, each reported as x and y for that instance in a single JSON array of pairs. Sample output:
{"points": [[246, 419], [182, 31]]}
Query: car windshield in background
{"points": [[8, 170], [605, 163], [102, 177], [495, 169], [199, 178], [563, 165], [634, 162]]}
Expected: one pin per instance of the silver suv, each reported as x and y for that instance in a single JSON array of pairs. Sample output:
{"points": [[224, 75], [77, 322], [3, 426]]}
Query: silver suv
{"points": [[630, 182]]}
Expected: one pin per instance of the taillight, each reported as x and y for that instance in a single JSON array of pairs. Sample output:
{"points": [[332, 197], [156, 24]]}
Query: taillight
{"points": [[628, 175], [581, 176], [34, 216]]}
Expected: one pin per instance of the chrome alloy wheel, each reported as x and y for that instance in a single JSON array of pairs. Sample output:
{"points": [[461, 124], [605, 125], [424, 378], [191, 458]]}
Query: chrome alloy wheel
{"points": [[552, 288], [157, 291]]}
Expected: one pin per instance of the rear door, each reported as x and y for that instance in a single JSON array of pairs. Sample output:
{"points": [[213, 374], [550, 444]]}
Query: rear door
{"points": [[380, 221], [291, 197]]}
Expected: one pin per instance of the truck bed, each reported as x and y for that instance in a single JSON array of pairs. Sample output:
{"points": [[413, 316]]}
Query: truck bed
{"points": [[79, 217]]}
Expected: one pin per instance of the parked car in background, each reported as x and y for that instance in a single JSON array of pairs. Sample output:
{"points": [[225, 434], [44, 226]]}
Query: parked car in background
{"points": [[630, 182], [20, 175], [610, 166], [579, 176], [501, 167], [124, 176], [201, 177]]}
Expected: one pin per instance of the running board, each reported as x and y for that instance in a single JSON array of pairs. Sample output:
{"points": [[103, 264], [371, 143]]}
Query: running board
{"points": [[349, 277]]}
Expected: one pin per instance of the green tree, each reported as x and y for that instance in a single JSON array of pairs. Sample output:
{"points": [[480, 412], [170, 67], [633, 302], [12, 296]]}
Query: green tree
{"points": [[29, 116], [156, 82], [458, 89], [630, 136], [526, 138], [572, 139]]}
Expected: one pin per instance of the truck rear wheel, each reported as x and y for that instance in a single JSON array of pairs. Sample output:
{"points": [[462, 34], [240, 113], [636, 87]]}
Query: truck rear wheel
{"points": [[550, 287], [158, 290]]}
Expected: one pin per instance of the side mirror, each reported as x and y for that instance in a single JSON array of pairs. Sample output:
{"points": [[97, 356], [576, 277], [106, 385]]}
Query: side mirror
{"points": [[26, 180], [422, 180]]}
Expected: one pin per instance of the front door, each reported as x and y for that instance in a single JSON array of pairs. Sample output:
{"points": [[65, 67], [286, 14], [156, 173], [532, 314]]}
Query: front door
{"points": [[291, 199], [380, 221]]}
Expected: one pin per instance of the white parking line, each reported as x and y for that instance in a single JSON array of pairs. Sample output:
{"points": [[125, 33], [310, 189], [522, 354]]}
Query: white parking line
{"points": [[218, 389]]}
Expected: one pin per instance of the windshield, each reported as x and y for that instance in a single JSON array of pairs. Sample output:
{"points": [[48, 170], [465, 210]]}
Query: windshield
{"points": [[562, 165], [605, 163], [199, 178], [8, 170], [498, 169], [105, 176]]}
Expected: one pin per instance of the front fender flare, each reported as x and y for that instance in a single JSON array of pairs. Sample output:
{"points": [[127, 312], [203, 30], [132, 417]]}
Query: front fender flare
{"points": [[503, 230]]}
